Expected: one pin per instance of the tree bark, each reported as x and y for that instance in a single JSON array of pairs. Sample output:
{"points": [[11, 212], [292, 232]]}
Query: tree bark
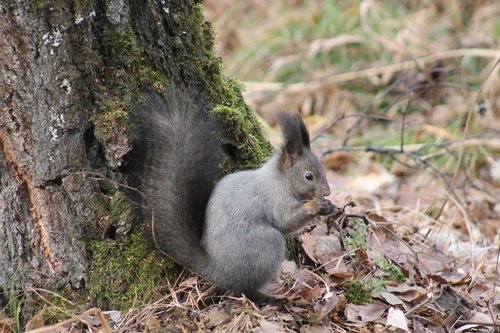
{"points": [[70, 71]]}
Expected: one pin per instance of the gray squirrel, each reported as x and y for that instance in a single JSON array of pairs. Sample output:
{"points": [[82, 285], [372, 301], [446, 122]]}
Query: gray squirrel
{"points": [[230, 230]]}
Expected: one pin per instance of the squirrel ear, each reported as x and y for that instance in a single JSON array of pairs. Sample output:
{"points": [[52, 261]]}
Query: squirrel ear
{"points": [[296, 137]]}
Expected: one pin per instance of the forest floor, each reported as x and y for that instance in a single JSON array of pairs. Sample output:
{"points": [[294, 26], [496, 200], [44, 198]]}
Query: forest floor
{"points": [[402, 99]]}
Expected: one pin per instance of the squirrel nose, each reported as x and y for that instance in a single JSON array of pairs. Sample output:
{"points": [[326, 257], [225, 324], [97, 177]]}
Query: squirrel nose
{"points": [[326, 192]]}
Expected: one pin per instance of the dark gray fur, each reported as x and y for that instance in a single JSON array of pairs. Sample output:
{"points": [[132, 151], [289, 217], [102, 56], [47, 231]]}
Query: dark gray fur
{"points": [[240, 243]]}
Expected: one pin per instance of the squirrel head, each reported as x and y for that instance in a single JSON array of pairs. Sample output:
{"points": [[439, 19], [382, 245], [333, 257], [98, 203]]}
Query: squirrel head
{"points": [[297, 163]]}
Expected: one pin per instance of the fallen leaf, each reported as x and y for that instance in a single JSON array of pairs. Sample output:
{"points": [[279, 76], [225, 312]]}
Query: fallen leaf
{"points": [[309, 245], [434, 261], [476, 318], [396, 321], [150, 323], [215, 317], [6, 324], [267, 326], [304, 277], [408, 293], [37, 321], [337, 160], [321, 247], [288, 267], [378, 218], [363, 258], [309, 294], [391, 298], [364, 313], [315, 329], [371, 179], [339, 270], [189, 282], [431, 315], [452, 278], [326, 305]]}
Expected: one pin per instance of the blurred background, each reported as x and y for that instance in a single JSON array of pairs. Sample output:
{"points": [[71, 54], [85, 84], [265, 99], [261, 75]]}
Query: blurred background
{"points": [[402, 97]]}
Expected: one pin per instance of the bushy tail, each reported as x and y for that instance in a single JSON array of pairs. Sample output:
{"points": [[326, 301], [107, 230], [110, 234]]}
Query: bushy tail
{"points": [[176, 161]]}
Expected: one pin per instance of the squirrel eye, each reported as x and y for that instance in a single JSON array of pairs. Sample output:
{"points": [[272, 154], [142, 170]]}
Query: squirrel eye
{"points": [[308, 176]]}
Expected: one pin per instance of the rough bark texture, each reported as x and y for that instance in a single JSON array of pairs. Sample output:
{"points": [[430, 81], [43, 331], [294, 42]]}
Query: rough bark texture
{"points": [[69, 73]]}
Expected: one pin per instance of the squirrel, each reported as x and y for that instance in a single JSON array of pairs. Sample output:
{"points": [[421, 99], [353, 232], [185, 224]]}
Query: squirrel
{"points": [[229, 230]]}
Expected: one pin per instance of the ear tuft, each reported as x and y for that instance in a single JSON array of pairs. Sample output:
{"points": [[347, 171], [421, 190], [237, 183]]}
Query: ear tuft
{"points": [[294, 132]]}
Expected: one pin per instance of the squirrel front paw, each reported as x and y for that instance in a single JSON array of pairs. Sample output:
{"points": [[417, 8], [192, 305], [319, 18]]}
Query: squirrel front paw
{"points": [[320, 206], [325, 207]]}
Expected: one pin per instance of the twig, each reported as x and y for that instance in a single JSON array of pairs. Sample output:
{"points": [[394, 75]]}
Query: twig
{"points": [[344, 116], [374, 71], [94, 311], [416, 148], [478, 323]]}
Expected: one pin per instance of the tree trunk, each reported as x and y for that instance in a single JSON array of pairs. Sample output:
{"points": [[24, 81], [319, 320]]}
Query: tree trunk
{"points": [[70, 71]]}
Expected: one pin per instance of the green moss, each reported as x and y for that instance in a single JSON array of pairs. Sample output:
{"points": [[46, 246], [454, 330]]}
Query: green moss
{"points": [[356, 236], [60, 305], [120, 207], [241, 127], [376, 283], [356, 293], [123, 275], [123, 271], [127, 73], [112, 120], [391, 271]]}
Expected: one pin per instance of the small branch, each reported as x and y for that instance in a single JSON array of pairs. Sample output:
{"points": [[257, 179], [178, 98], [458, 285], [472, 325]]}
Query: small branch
{"points": [[416, 148], [418, 62], [94, 311], [344, 116]]}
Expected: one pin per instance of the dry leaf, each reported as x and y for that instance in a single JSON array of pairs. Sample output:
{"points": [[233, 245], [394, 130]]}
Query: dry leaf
{"points": [[396, 321], [309, 294], [288, 267], [364, 313], [215, 317], [453, 278], [315, 329], [37, 321], [189, 282], [408, 293], [326, 305], [6, 324], [309, 245], [267, 326], [337, 160], [371, 179], [363, 258], [304, 277], [151, 323], [391, 298]]}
